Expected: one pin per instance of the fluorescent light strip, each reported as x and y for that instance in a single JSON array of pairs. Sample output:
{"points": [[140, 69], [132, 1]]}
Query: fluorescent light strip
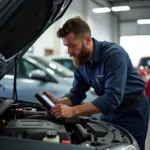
{"points": [[101, 10], [143, 21], [120, 8]]}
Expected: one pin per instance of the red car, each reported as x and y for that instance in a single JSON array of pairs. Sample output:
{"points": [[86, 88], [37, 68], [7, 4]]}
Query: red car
{"points": [[144, 71]]}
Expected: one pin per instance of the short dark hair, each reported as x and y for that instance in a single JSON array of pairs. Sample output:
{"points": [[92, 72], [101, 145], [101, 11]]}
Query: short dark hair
{"points": [[74, 25]]}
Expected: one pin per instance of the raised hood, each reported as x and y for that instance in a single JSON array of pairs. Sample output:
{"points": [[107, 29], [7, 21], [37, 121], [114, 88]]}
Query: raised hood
{"points": [[21, 23]]}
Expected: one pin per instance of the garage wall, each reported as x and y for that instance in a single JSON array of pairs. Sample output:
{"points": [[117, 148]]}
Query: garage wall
{"points": [[135, 37], [128, 25], [132, 28], [104, 27]]}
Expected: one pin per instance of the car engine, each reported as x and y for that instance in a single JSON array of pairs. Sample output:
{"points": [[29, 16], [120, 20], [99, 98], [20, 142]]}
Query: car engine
{"points": [[29, 121]]}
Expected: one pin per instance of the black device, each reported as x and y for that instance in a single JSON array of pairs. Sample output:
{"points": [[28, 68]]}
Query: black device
{"points": [[45, 101]]}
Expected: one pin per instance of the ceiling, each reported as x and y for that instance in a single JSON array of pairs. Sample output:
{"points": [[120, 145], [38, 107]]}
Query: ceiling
{"points": [[140, 9], [113, 2], [132, 3]]}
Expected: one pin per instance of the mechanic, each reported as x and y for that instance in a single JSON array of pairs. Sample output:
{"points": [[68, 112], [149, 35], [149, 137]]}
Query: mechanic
{"points": [[108, 69]]}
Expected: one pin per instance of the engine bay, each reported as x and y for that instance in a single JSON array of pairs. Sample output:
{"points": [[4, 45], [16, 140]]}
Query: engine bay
{"points": [[27, 121]]}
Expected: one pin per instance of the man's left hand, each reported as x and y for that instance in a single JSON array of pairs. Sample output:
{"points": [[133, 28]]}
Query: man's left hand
{"points": [[62, 111]]}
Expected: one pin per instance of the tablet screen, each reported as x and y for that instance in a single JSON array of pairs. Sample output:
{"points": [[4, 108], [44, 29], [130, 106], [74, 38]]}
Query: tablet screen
{"points": [[48, 100]]}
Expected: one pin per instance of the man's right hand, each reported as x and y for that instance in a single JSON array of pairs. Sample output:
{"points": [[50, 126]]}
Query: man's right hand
{"points": [[59, 102]]}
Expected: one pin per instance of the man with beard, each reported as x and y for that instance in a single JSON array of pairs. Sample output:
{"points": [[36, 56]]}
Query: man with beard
{"points": [[108, 69]]}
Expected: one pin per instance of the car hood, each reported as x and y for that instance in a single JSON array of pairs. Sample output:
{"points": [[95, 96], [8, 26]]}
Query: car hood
{"points": [[22, 22]]}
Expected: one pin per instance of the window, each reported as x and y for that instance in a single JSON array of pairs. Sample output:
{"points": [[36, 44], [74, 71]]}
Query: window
{"points": [[145, 62], [24, 68]]}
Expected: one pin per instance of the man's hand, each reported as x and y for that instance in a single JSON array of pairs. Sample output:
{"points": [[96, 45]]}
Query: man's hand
{"points": [[62, 111]]}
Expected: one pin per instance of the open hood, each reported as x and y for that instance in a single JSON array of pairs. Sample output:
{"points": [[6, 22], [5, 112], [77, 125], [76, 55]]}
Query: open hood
{"points": [[21, 23]]}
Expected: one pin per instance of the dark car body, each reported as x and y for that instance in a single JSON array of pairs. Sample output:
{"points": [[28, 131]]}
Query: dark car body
{"points": [[24, 125]]}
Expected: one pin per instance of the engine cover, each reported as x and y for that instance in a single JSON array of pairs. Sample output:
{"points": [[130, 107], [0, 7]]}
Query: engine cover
{"points": [[34, 129]]}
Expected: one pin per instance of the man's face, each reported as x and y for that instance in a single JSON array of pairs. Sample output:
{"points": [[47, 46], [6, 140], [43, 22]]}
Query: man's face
{"points": [[77, 48]]}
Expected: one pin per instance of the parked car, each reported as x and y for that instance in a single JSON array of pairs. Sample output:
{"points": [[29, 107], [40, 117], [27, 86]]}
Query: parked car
{"points": [[37, 74], [65, 61], [144, 71]]}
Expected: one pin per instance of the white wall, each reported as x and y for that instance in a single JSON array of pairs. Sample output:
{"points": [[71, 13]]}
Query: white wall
{"points": [[47, 40], [103, 26]]}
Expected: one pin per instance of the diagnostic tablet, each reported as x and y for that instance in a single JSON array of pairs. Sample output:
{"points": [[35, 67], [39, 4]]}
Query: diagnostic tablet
{"points": [[45, 101]]}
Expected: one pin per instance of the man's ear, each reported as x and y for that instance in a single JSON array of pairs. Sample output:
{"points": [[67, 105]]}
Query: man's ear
{"points": [[88, 40]]}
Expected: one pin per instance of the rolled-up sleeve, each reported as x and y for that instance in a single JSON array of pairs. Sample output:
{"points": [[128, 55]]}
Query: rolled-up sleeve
{"points": [[78, 92], [115, 83]]}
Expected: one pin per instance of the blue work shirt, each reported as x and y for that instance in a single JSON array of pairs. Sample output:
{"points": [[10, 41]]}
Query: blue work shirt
{"points": [[112, 76]]}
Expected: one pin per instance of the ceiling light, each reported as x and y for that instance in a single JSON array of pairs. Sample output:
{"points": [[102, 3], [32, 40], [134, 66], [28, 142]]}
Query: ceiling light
{"points": [[101, 10], [120, 8], [143, 21]]}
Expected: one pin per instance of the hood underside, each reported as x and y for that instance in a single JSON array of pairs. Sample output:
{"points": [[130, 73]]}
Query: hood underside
{"points": [[21, 23]]}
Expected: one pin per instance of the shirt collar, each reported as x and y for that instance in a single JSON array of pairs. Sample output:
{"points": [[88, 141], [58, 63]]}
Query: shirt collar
{"points": [[97, 50]]}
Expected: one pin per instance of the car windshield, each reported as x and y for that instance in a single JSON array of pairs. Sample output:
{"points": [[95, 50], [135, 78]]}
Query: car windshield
{"points": [[145, 63], [54, 66]]}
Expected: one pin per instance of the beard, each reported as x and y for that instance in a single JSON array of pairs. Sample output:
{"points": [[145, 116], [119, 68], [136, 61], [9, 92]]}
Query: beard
{"points": [[82, 58]]}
